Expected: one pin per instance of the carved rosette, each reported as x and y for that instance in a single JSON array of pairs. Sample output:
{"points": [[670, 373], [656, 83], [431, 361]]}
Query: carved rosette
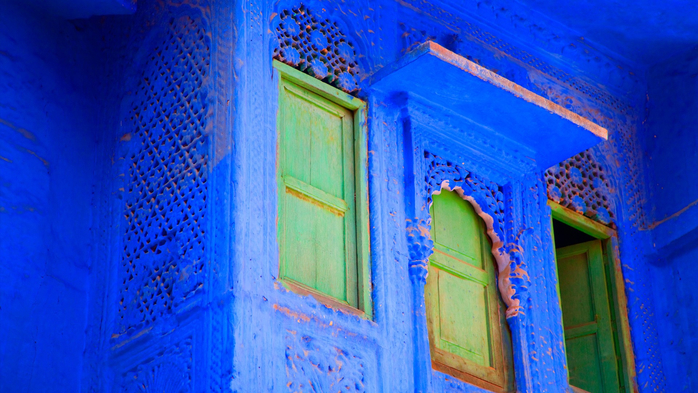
{"points": [[169, 369], [313, 365], [488, 200]]}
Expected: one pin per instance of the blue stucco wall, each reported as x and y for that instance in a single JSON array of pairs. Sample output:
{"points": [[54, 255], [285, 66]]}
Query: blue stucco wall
{"points": [[671, 145], [47, 117], [181, 290]]}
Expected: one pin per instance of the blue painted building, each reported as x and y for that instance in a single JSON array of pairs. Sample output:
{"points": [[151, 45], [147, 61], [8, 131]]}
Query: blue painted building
{"points": [[144, 166]]}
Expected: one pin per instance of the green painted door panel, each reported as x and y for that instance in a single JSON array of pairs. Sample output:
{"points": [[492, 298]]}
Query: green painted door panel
{"points": [[576, 291], [462, 302], [315, 132], [589, 338], [317, 227], [315, 238], [463, 318], [583, 363], [454, 224]]}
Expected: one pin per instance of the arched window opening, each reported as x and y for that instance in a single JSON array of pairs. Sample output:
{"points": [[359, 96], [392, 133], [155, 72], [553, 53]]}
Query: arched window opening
{"points": [[468, 334]]}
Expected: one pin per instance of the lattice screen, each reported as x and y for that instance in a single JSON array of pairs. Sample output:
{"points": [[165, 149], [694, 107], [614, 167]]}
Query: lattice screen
{"points": [[164, 217]]}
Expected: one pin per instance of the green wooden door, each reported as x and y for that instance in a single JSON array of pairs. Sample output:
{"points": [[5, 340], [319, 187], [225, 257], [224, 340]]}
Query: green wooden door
{"points": [[464, 313], [591, 353], [317, 228]]}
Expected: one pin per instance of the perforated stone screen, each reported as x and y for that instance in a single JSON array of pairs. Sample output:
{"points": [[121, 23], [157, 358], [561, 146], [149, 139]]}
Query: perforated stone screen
{"points": [[581, 184], [164, 217], [318, 47]]}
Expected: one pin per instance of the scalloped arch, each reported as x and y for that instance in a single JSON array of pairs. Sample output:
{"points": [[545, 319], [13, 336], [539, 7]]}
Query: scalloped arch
{"points": [[487, 199]]}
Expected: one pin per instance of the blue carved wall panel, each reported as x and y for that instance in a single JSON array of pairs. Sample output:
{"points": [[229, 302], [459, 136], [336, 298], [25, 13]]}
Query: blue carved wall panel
{"points": [[673, 216], [605, 183], [161, 324], [165, 168]]}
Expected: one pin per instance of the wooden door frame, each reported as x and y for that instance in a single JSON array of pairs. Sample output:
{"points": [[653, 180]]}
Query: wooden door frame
{"points": [[619, 301]]}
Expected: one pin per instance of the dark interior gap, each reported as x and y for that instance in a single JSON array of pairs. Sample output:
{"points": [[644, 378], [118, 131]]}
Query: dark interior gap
{"points": [[566, 235]]}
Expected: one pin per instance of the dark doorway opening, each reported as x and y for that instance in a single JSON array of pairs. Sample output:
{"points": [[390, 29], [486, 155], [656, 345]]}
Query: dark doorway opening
{"points": [[566, 235], [589, 322]]}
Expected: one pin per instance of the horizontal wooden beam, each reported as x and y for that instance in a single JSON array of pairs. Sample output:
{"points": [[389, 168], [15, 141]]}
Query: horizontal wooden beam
{"points": [[580, 221]]}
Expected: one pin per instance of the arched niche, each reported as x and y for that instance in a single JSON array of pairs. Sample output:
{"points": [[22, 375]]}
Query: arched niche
{"points": [[487, 198]]}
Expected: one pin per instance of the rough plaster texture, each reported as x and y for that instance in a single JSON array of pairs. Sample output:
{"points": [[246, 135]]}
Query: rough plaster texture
{"points": [[48, 111], [170, 122], [382, 33]]}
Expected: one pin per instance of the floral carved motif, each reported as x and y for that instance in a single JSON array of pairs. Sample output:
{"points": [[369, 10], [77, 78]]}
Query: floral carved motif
{"points": [[169, 371], [313, 366], [316, 46]]}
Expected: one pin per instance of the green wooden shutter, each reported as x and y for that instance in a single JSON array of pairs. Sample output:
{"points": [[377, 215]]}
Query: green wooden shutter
{"points": [[464, 312], [591, 354], [317, 225]]}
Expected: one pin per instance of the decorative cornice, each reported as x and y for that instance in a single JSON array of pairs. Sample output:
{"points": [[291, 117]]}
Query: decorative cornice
{"points": [[439, 133]]}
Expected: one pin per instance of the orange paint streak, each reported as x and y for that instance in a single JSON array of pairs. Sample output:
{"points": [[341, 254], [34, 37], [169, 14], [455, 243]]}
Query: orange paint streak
{"points": [[293, 314]]}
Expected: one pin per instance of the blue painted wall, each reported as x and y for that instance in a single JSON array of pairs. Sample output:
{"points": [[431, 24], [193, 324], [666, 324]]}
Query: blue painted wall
{"points": [[671, 146], [48, 115], [606, 91], [109, 297]]}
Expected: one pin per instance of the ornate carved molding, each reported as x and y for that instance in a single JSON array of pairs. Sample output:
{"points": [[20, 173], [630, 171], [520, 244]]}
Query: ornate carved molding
{"points": [[449, 136]]}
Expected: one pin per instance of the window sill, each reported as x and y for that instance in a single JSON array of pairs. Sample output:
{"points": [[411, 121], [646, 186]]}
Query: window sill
{"points": [[322, 298]]}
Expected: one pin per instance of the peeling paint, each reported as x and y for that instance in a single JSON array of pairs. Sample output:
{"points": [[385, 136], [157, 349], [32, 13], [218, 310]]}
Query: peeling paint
{"points": [[26, 134], [671, 217]]}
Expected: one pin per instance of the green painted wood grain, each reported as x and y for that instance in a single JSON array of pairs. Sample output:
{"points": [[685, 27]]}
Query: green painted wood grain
{"points": [[323, 200]]}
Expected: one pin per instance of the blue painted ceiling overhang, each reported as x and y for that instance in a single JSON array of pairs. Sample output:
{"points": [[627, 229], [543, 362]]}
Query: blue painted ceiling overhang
{"points": [[488, 104], [643, 31]]}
